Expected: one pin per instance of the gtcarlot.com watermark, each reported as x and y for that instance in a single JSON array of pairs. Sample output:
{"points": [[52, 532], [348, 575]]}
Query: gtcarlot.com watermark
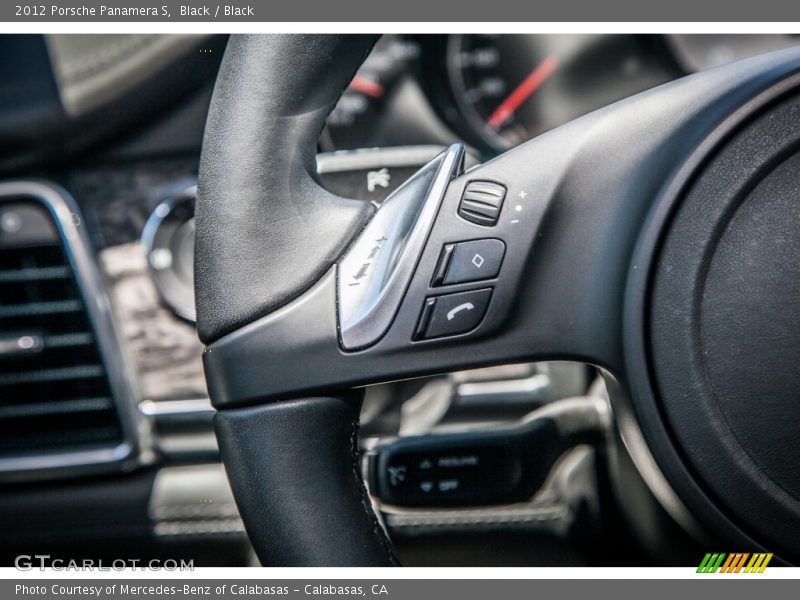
{"points": [[30, 562]]}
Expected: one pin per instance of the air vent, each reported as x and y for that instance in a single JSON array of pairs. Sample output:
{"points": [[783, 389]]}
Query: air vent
{"points": [[62, 401]]}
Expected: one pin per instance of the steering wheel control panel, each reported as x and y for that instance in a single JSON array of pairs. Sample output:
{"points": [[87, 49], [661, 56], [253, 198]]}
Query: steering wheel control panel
{"points": [[475, 468], [451, 314], [374, 275], [433, 281]]}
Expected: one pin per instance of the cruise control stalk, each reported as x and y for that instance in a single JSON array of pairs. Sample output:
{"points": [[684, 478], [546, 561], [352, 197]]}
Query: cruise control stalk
{"points": [[501, 465]]}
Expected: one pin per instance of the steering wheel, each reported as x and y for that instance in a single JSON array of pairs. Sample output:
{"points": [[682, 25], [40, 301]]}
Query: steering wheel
{"points": [[657, 239]]}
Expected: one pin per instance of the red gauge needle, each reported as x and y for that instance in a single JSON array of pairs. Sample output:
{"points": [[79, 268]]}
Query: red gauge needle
{"points": [[522, 92], [365, 86]]}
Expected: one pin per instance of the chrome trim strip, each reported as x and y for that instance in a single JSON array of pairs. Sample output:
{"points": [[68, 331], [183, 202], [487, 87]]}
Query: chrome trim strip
{"points": [[522, 391], [134, 449], [373, 276], [168, 408]]}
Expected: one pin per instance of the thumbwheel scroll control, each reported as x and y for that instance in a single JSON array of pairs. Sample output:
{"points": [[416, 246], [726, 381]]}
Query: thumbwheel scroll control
{"points": [[481, 202]]}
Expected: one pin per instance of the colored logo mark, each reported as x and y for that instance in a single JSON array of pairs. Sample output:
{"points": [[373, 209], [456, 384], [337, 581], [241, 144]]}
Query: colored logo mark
{"points": [[737, 562]]}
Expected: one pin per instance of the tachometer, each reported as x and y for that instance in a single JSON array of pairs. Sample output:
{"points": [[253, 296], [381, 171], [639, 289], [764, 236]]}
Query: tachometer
{"points": [[509, 88], [494, 78]]}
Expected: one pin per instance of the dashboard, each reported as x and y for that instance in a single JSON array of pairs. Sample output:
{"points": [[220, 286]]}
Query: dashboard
{"points": [[118, 130]]}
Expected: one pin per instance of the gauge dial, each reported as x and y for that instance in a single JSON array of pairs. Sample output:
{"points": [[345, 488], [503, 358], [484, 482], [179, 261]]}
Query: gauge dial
{"points": [[494, 78], [510, 88]]}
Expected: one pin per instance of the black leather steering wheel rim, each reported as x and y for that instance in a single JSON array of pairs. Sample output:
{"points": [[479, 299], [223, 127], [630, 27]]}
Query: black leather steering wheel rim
{"points": [[274, 89], [269, 238]]}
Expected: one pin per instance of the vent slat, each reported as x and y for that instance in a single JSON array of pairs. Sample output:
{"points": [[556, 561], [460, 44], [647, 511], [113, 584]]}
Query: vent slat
{"points": [[43, 441], [68, 339], [80, 405], [34, 309], [34, 274], [47, 375]]}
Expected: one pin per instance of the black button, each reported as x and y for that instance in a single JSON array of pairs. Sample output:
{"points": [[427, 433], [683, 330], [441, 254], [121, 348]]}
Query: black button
{"points": [[475, 260], [453, 313], [481, 202]]}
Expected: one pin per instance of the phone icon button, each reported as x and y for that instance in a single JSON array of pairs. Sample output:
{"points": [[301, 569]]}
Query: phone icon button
{"points": [[466, 306], [452, 314]]}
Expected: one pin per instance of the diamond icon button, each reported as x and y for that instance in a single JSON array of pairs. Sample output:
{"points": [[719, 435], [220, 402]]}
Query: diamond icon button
{"points": [[473, 260]]}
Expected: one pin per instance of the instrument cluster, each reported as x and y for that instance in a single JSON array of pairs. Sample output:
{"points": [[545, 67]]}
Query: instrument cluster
{"points": [[497, 91]]}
